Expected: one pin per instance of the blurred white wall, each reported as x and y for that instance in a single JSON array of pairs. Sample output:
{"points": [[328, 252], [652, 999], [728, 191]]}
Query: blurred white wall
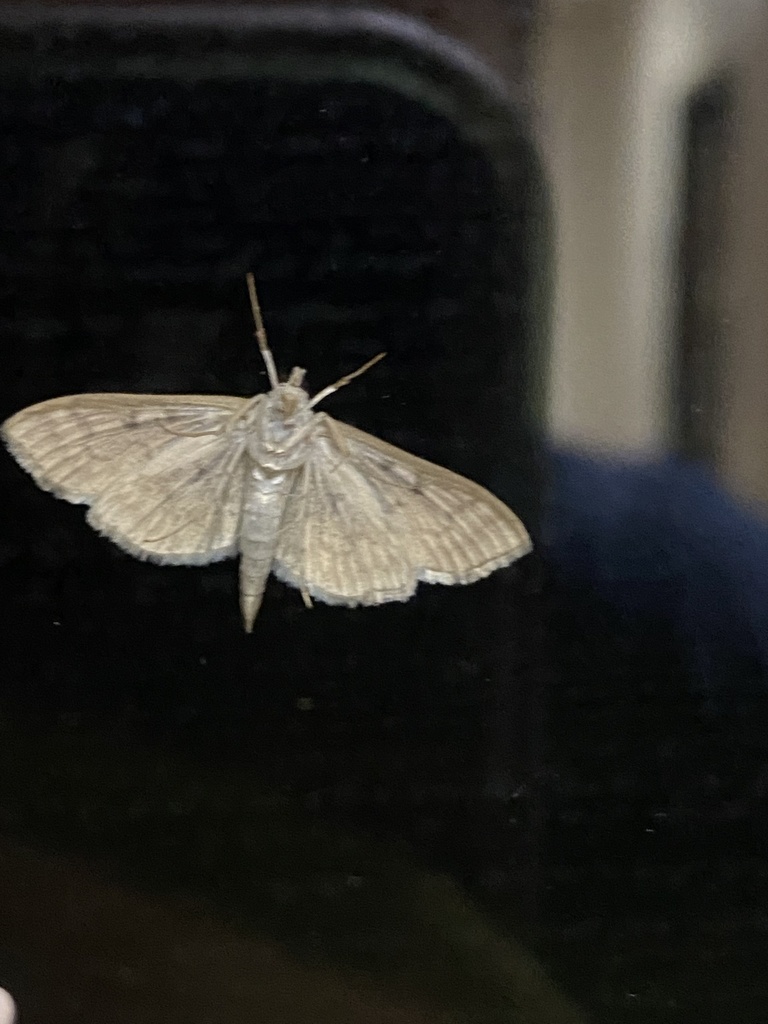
{"points": [[744, 450], [612, 78]]}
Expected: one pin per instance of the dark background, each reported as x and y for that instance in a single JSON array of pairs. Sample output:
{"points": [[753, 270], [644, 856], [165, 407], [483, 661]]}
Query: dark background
{"points": [[132, 208]]}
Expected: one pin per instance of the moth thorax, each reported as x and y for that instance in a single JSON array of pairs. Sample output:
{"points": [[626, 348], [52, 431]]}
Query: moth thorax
{"points": [[285, 413]]}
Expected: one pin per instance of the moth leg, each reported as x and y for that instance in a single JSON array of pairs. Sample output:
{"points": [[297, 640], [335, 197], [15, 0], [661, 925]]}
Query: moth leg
{"points": [[302, 434], [233, 419], [188, 433]]}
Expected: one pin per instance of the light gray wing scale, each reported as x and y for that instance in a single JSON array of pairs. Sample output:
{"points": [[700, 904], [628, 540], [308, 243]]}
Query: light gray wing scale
{"points": [[367, 521], [163, 474]]}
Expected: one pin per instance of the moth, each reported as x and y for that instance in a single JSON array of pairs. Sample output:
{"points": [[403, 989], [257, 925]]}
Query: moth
{"points": [[191, 479]]}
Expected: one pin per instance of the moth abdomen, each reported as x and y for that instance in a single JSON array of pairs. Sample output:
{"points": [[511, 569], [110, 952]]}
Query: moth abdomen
{"points": [[265, 499]]}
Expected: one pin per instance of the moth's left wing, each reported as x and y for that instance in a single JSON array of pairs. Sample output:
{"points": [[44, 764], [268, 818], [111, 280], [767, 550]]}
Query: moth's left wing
{"points": [[366, 521], [163, 474]]}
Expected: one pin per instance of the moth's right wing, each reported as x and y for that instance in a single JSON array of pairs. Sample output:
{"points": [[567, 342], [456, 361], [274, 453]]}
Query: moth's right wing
{"points": [[366, 521], [163, 474]]}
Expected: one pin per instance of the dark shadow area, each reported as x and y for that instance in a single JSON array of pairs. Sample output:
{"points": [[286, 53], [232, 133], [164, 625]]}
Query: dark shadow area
{"points": [[140, 186]]}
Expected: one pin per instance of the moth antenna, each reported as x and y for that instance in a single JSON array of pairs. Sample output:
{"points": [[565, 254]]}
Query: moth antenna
{"points": [[343, 381], [261, 334]]}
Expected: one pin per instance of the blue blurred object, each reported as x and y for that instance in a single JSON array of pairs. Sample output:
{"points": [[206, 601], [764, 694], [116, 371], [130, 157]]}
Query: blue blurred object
{"points": [[662, 540]]}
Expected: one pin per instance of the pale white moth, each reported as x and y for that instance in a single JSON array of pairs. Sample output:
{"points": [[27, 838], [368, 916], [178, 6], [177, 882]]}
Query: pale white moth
{"points": [[192, 479]]}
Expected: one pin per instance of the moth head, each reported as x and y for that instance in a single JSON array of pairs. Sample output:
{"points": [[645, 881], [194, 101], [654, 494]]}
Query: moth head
{"points": [[286, 411], [293, 398]]}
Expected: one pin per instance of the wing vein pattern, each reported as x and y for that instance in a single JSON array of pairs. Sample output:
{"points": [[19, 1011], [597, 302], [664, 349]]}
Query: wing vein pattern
{"points": [[163, 474], [366, 522]]}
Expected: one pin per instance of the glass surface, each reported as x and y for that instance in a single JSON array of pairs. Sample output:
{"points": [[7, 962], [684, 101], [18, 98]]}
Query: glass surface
{"points": [[537, 797]]}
